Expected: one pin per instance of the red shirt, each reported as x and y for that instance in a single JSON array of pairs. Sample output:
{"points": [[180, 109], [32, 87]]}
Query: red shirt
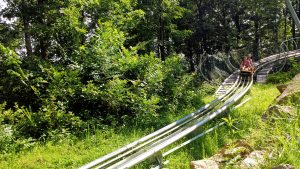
{"points": [[246, 63]]}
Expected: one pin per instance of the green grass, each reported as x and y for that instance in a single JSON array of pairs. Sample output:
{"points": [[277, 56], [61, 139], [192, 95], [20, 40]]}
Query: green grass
{"points": [[249, 115], [74, 152]]}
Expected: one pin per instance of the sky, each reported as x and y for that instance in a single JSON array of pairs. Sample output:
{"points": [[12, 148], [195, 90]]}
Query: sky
{"points": [[2, 4]]}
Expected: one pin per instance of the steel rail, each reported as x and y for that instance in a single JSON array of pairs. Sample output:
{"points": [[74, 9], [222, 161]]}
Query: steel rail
{"points": [[145, 138], [121, 163], [199, 135], [233, 85], [151, 141], [187, 142], [190, 124], [225, 82], [243, 86], [235, 88], [192, 139], [156, 148], [230, 64], [237, 83], [102, 165]]}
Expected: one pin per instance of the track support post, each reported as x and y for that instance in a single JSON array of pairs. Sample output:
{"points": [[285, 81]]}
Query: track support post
{"points": [[158, 161], [293, 12]]}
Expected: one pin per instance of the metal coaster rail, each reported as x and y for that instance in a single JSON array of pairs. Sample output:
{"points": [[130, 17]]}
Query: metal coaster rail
{"points": [[142, 149], [182, 132]]}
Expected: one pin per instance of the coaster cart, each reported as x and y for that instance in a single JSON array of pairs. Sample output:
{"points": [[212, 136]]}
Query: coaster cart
{"points": [[246, 73]]}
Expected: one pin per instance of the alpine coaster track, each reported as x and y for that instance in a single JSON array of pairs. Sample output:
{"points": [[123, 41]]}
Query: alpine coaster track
{"points": [[230, 91]]}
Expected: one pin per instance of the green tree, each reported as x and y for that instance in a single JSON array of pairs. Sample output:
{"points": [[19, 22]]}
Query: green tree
{"points": [[159, 29]]}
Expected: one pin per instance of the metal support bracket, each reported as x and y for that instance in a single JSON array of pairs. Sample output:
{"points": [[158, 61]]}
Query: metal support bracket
{"points": [[293, 13], [159, 162]]}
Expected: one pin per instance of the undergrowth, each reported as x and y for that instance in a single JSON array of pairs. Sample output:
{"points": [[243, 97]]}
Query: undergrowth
{"points": [[291, 69]]}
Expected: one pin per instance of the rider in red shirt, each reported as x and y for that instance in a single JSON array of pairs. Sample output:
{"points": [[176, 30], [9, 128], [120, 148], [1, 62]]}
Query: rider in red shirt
{"points": [[249, 57], [246, 64]]}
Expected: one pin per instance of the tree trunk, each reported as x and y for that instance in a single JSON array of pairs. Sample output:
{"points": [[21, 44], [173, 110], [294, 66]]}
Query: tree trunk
{"points": [[293, 29], [27, 37], [190, 56], [285, 22], [227, 42], [43, 40], [276, 32], [256, 39], [44, 51], [236, 19], [161, 42]]}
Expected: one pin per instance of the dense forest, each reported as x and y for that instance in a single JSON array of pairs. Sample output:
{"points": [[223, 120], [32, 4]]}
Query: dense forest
{"points": [[69, 65]]}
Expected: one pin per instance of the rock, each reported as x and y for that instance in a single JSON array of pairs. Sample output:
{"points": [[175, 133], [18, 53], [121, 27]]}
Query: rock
{"points": [[218, 158], [291, 91], [257, 155], [284, 166], [204, 164], [289, 98], [240, 147], [236, 150], [231, 153], [253, 160], [249, 163], [282, 87], [287, 109], [280, 111]]}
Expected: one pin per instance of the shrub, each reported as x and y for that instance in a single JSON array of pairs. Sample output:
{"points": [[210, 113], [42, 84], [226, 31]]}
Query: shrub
{"points": [[6, 138], [293, 68], [278, 77], [104, 83]]}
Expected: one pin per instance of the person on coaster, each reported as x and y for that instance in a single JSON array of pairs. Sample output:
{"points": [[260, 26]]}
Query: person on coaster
{"points": [[246, 65], [249, 57]]}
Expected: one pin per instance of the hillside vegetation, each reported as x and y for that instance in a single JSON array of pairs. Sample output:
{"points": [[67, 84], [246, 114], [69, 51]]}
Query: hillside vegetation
{"points": [[78, 75]]}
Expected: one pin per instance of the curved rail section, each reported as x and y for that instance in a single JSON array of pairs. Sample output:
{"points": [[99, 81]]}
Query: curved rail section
{"points": [[233, 88]]}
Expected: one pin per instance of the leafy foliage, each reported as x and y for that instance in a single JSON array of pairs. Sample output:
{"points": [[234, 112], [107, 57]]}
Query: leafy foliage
{"points": [[291, 69], [103, 83], [68, 65]]}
